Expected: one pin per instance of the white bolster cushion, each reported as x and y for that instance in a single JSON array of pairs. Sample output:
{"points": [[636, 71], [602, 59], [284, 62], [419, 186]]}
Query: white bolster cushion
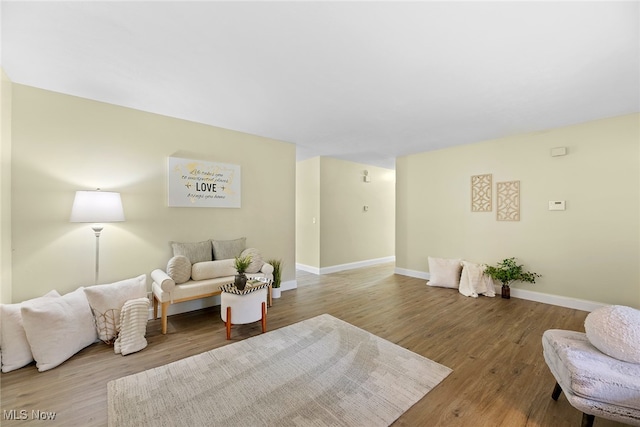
{"points": [[161, 278], [213, 269], [267, 270]]}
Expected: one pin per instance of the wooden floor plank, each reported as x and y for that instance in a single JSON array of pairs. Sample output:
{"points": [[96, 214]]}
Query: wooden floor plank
{"points": [[493, 346]]}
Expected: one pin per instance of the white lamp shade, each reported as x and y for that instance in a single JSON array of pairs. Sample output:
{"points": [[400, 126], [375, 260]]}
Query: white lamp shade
{"points": [[97, 206]]}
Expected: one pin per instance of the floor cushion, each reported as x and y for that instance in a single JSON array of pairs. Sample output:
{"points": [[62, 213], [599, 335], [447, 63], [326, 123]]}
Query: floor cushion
{"points": [[444, 272], [57, 328], [107, 300], [14, 345]]}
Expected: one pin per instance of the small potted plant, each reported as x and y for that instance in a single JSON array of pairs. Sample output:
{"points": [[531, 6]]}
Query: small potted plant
{"points": [[277, 277], [508, 271], [241, 264]]}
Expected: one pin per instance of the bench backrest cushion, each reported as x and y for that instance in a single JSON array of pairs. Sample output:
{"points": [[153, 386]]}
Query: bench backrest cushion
{"points": [[225, 249], [195, 251]]}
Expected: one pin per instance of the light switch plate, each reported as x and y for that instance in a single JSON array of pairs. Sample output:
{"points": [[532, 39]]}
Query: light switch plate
{"points": [[556, 205], [558, 151]]}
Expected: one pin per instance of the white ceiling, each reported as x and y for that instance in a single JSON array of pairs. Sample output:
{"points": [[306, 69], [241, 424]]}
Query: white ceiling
{"points": [[360, 81]]}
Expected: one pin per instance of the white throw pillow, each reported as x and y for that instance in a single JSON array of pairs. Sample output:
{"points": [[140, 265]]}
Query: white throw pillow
{"points": [[256, 260], [474, 282], [444, 272], [58, 328], [106, 301], [615, 331], [16, 351], [179, 269]]}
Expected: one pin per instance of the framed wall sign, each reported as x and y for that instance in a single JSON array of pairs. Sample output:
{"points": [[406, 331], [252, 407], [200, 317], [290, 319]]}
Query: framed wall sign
{"points": [[197, 183]]}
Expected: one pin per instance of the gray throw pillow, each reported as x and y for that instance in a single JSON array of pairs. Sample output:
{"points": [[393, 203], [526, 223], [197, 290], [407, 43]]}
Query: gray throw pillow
{"points": [[196, 251], [225, 249]]}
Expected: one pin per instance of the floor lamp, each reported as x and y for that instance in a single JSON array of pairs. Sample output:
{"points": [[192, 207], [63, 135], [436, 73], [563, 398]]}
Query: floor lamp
{"points": [[97, 207]]}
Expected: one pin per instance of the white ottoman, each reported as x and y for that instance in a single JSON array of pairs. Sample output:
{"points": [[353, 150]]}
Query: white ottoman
{"points": [[240, 309]]}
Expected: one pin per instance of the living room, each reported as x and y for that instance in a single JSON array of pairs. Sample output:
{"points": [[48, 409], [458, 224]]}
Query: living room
{"points": [[53, 144], [128, 154]]}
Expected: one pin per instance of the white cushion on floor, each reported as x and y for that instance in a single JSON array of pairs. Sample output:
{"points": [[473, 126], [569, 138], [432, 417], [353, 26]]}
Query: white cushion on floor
{"points": [[444, 272], [57, 328], [16, 351], [107, 300]]}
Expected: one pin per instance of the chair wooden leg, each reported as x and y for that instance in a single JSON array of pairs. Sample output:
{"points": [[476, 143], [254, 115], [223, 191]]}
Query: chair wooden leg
{"points": [[587, 420], [228, 323], [165, 309], [264, 318], [155, 307], [556, 391]]}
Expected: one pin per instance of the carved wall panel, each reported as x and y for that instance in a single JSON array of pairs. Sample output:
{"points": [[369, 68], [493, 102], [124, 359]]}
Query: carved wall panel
{"points": [[508, 204], [481, 197]]}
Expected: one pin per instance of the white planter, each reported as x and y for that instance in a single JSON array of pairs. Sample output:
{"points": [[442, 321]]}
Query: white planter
{"points": [[275, 292]]}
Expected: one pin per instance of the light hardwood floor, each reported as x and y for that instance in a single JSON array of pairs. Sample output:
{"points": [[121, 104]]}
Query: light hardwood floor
{"points": [[493, 346]]}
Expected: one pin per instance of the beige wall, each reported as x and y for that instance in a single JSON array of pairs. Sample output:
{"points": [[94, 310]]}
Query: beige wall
{"points": [[348, 233], [590, 251], [5, 188], [308, 212], [345, 235], [62, 144]]}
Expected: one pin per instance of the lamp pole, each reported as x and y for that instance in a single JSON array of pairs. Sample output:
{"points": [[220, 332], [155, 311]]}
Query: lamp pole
{"points": [[97, 230]]}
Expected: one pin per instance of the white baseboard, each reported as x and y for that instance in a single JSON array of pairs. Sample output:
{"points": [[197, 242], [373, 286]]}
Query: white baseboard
{"points": [[288, 285], [412, 273], [307, 268], [575, 303], [343, 267]]}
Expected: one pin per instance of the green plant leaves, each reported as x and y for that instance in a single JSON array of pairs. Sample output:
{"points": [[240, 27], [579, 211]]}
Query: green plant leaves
{"points": [[507, 271]]}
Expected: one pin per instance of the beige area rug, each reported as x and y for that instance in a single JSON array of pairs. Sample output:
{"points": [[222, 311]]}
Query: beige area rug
{"points": [[319, 372]]}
